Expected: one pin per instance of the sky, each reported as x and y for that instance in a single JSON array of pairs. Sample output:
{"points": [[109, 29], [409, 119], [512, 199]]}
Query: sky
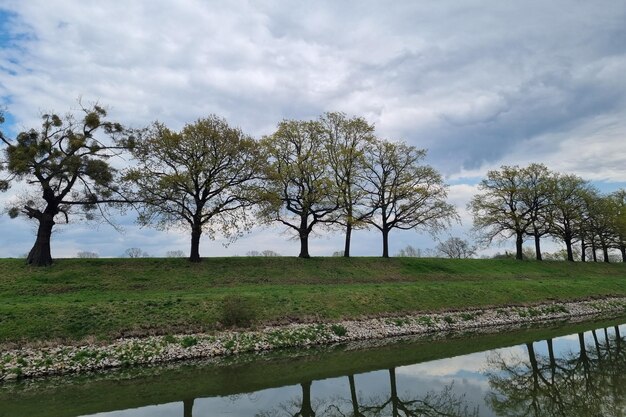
{"points": [[478, 84]]}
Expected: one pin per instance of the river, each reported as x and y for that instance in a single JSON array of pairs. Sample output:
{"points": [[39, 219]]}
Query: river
{"points": [[556, 370]]}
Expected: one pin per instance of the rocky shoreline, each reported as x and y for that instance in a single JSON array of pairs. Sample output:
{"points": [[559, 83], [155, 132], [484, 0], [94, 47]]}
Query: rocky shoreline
{"points": [[60, 360]]}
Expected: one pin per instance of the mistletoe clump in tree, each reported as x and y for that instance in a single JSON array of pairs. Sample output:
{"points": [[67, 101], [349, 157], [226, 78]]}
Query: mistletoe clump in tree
{"points": [[64, 165]]}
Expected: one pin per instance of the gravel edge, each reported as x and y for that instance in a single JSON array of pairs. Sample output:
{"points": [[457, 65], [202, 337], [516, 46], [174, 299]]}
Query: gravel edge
{"points": [[126, 352]]}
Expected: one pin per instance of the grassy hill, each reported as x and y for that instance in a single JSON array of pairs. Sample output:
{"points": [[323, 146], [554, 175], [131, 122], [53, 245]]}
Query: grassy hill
{"points": [[108, 298]]}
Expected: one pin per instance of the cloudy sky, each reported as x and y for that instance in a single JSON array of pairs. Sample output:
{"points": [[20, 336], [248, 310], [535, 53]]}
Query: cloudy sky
{"points": [[479, 84]]}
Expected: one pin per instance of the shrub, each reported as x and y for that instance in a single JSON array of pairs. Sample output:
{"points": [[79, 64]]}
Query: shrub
{"points": [[339, 330], [237, 311], [188, 341]]}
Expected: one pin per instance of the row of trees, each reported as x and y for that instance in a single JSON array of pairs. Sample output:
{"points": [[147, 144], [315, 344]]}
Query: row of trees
{"points": [[535, 202], [331, 172]]}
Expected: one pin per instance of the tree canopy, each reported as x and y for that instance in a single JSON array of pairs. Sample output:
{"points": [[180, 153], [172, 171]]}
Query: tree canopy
{"points": [[402, 193], [299, 190], [200, 178], [63, 165]]}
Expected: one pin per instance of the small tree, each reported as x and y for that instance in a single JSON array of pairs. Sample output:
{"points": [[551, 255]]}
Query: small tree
{"points": [[299, 189], [457, 248], [619, 221], [87, 255], [174, 254], [409, 252], [201, 178], [66, 163], [269, 253], [135, 253], [403, 194]]}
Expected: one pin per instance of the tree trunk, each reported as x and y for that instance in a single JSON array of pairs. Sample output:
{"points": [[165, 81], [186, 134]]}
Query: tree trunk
{"points": [[346, 249], [538, 247], [188, 408], [605, 253], [518, 246], [622, 249], [304, 245], [353, 396], [385, 243], [570, 252], [394, 392], [593, 251], [40, 254], [307, 408], [196, 232]]}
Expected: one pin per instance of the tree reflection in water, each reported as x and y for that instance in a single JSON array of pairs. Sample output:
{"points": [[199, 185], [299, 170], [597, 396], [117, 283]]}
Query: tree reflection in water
{"points": [[589, 381], [441, 404]]}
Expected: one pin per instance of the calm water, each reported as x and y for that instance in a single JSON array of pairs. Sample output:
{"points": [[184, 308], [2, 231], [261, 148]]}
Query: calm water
{"points": [[573, 370]]}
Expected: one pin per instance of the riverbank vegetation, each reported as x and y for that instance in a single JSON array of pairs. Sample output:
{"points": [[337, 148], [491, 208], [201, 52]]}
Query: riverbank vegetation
{"points": [[108, 298]]}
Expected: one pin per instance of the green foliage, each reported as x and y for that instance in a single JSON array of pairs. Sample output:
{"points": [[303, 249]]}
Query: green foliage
{"points": [[338, 330], [57, 163], [200, 178], [188, 341], [299, 190], [237, 311]]}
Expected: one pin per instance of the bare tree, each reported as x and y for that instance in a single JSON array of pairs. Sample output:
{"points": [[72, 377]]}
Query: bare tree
{"points": [[402, 193], [135, 253], [87, 255], [457, 248]]}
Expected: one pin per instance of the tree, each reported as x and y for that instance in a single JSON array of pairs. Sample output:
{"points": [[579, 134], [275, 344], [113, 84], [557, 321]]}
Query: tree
{"points": [[599, 226], [298, 190], [537, 188], [87, 255], [499, 210], [457, 248], [200, 178], [565, 214], [346, 141], [409, 252], [66, 163], [174, 254], [403, 194], [135, 253], [619, 221]]}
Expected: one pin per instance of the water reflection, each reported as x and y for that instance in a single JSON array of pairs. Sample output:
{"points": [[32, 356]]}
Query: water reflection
{"points": [[443, 403], [576, 371], [584, 380]]}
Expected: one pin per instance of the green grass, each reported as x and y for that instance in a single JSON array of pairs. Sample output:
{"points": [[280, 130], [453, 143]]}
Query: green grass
{"points": [[108, 298]]}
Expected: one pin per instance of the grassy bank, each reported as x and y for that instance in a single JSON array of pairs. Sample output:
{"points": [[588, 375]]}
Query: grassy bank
{"points": [[108, 298]]}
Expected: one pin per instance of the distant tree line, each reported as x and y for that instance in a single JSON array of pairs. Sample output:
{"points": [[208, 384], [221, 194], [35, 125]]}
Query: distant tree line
{"points": [[534, 202], [330, 173]]}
